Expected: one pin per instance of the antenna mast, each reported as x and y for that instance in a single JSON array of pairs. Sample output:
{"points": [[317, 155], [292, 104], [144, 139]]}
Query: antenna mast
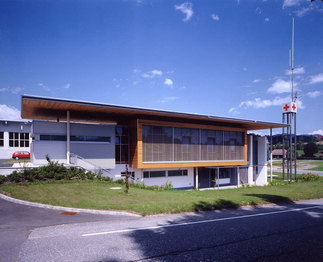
{"points": [[291, 63]]}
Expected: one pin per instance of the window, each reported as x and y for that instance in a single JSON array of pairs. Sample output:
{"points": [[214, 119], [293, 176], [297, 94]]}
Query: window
{"points": [[186, 144], [76, 138], [211, 144], [148, 174], [122, 145], [157, 143], [1, 139], [52, 137], [18, 139], [177, 172], [173, 144]]}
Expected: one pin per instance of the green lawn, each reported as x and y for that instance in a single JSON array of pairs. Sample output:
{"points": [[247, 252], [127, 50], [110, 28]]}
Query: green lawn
{"points": [[318, 164], [98, 195], [12, 161]]}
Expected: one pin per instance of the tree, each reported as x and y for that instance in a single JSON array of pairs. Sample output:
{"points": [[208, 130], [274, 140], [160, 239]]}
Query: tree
{"points": [[310, 149]]}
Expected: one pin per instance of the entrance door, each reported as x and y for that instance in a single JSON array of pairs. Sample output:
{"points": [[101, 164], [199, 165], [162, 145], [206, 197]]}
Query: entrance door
{"points": [[206, 177]]}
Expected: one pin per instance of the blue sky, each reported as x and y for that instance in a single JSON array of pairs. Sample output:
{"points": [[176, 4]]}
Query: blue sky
{"points": [[225, 58]]}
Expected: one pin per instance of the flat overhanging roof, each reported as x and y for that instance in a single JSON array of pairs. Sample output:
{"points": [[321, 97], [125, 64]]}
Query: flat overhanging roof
{"points": [[49, 108]]}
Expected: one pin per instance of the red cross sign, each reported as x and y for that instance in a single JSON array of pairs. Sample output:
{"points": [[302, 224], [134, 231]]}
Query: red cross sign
{"points": [[286, 107], [292, 107]]}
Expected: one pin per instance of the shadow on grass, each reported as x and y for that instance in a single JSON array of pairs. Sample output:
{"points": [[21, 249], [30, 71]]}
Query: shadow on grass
{"points": [[275, 199], [216, 205]]}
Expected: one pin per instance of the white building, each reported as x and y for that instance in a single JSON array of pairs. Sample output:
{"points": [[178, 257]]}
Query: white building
{"points": [[188, 150], [14, 136]]}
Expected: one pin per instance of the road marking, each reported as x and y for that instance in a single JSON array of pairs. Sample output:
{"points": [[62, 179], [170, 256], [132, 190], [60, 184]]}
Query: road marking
{"points": [[196, 222]]}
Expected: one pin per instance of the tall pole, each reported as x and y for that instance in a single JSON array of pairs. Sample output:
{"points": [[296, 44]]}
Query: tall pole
{"points": [[295, 136], [291, 147], [283, 147]]}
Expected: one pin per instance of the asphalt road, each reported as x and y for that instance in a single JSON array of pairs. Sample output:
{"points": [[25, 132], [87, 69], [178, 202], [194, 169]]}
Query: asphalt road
{"points": [[291, 232]]}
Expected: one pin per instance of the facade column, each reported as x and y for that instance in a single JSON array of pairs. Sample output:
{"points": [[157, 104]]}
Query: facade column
{"points": [[250, 169], [271, 155], [197, 179], [68, 137], [238, 176]]}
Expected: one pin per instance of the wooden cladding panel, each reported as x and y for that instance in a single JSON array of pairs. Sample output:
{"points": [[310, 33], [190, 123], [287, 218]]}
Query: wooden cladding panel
{"points": [[139, 145], [133, 144], [191, 164], [187, 125]]}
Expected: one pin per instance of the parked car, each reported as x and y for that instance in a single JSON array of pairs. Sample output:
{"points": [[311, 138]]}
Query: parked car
{"points": [[20, 154]]}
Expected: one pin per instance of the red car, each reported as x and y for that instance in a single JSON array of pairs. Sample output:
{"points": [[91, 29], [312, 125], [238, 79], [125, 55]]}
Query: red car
{"points": [[20, 154]]}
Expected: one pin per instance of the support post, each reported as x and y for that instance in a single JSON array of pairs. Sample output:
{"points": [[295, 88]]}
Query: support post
{"points": [[271, 155], [250, 169], [197, 179], [295, 164], [68, 137], [283, 136], [291, 148]]}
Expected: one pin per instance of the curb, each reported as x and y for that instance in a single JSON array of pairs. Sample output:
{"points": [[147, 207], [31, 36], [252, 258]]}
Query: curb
{"points": [[71, 209]]}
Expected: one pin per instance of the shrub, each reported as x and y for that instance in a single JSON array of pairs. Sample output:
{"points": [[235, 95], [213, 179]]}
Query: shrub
{"points": [[309, 177], [15, 177], [120, 181], [3, 179]]}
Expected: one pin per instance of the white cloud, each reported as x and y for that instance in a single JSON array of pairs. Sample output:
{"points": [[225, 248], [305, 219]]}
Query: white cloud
{"points": [[168, 99], [168, 82], [263, 103], [244, 69], [16, 90], [9, 112], [314, 94], [267, 19], [317, 132], [256, 81], [316, 79], [297, 71], [289, 3], [280, 86], [67, 86], [258, 10], [152, 73], [234, 111], [304, 11], [43, 86], [3, 89], [186, 9], [215, 17]]}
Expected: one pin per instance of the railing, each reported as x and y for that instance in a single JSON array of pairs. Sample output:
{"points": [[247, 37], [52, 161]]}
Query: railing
{"points": [[77, 160]]}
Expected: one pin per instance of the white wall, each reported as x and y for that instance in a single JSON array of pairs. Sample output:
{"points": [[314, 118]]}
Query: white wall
{"points": [[262, 161], [98, 153]]}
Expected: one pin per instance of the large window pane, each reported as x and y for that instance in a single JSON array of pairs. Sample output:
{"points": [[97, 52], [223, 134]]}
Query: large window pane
{"points": [[157, 144], [186, 144]]}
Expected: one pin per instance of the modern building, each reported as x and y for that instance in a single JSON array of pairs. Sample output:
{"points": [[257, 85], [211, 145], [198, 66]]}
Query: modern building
{"points": [[188, 150], [14, 136]]}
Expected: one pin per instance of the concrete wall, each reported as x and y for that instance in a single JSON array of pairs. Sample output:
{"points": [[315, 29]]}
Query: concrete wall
{"points": [[178, 182], [7, 126], [262, 161], [98, 153]]}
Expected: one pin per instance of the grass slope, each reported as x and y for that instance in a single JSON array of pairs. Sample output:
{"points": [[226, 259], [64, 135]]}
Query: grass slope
{"points": [[98, 195]]}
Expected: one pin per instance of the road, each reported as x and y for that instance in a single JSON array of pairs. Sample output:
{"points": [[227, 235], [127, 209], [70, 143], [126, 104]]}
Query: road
{"points": [[292, 232], [320, 173]]}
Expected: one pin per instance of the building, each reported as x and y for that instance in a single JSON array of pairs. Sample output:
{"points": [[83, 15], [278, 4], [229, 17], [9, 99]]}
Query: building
{"points": [[188, 150], [14, 136], [278, 153]]}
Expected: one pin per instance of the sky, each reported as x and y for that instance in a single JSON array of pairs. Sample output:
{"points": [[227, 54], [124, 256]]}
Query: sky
{"points": [[216, 57]]}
